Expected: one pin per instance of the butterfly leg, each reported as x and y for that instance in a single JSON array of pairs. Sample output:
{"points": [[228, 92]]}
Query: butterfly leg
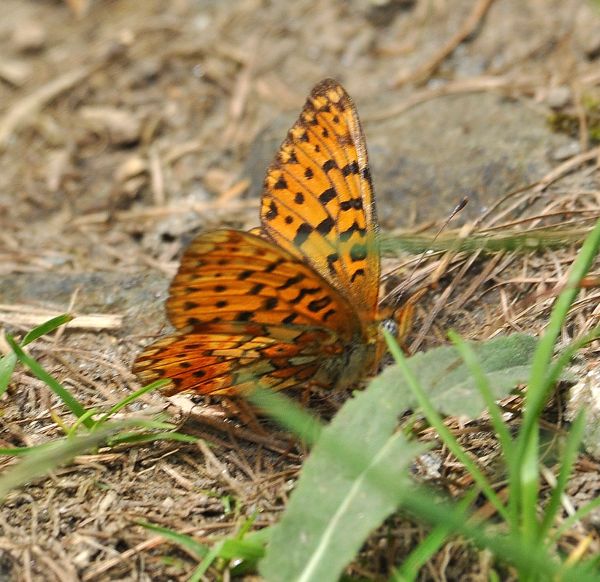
{"points": [[403, 316], [241, 409]]}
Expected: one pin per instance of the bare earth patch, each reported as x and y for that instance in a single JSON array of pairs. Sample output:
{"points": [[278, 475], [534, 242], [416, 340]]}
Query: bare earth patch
{"points": [[126, 128]]}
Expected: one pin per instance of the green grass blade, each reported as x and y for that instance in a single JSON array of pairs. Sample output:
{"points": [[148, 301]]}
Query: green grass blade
{"points": [[131, 398], [137, 438], [9, 361], [510, 548], [185, 541], [437, 422], [206, 563], [48, 457], [24, 451], [7, 367], [412, 565], [470, 358], [574, 519], [538, 389], [287, 413], [567, 462], [566, 355], [540, 386], [46, 328], [504, 438], [69, 400]]}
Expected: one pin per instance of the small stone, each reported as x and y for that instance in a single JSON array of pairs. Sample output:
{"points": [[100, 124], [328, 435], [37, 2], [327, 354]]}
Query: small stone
{"points": [[558, 97], [29, 37], [121, 127], [131, 168], [14, 72], [592, 46], [79, 7], [565, 152]]}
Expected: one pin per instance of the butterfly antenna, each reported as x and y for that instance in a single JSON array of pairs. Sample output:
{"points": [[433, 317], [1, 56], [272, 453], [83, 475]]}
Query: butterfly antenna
{"points": [[458, 208]]}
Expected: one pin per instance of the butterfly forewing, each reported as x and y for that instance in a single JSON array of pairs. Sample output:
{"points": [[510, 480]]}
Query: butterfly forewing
{"points": [[318, 198]]}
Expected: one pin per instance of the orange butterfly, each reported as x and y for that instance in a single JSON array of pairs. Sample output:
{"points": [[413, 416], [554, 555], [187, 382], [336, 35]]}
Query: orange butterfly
{"points": [[298, 303]]}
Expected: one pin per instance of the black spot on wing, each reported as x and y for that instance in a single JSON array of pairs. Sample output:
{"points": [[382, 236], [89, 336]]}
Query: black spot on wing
{"points": [[245, 274], [272, 212], [303, 293], [329, 165], [281, 184], [317, 305], [292, 281], [353, 228], [352, 204], [325, 226], [272, 266], [331, 259], [289, 319], [270, 303], [327, 195], [302, 233], [351, 168]]}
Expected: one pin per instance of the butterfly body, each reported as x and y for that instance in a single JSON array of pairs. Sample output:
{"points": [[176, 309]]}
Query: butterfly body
{"points": [[298, 302]]}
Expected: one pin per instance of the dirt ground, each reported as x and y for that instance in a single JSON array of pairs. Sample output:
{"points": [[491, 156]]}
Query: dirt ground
{"points": [[126, 128]]}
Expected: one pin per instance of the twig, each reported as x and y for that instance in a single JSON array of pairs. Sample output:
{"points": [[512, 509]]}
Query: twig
{"points": [[475, 85], [27, 316], [567, 167], [469, 26], [24, 109]]}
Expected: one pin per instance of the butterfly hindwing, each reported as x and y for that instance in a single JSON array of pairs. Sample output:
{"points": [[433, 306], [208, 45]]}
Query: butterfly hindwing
{"points": [[230, 358], [229, 275]]}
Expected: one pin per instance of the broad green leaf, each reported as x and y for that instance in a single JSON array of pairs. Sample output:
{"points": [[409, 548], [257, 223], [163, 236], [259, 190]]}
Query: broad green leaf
{"points": [[354, 478], [448, 382]]}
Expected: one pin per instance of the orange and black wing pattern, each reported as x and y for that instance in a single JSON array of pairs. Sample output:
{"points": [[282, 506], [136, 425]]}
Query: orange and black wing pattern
{"points": [[246, 309], [318, 197]]}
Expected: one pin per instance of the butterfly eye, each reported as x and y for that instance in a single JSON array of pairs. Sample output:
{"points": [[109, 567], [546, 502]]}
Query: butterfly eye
{"points": [[390, 326]]}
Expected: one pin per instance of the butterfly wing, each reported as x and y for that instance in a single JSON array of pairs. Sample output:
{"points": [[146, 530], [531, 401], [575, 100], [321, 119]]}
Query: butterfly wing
{"points": [[229, 275], [318, 200], [229, 358], [247, 310]]}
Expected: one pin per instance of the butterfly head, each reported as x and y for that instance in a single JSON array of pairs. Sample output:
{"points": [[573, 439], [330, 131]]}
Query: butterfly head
{"points": [[390, 325]]}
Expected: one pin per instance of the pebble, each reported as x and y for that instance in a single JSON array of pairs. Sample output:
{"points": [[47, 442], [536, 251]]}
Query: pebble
{"points": [[122, 127], [29, 37], [15, 72], [558, 97], [565, 152], [592, 46]]}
